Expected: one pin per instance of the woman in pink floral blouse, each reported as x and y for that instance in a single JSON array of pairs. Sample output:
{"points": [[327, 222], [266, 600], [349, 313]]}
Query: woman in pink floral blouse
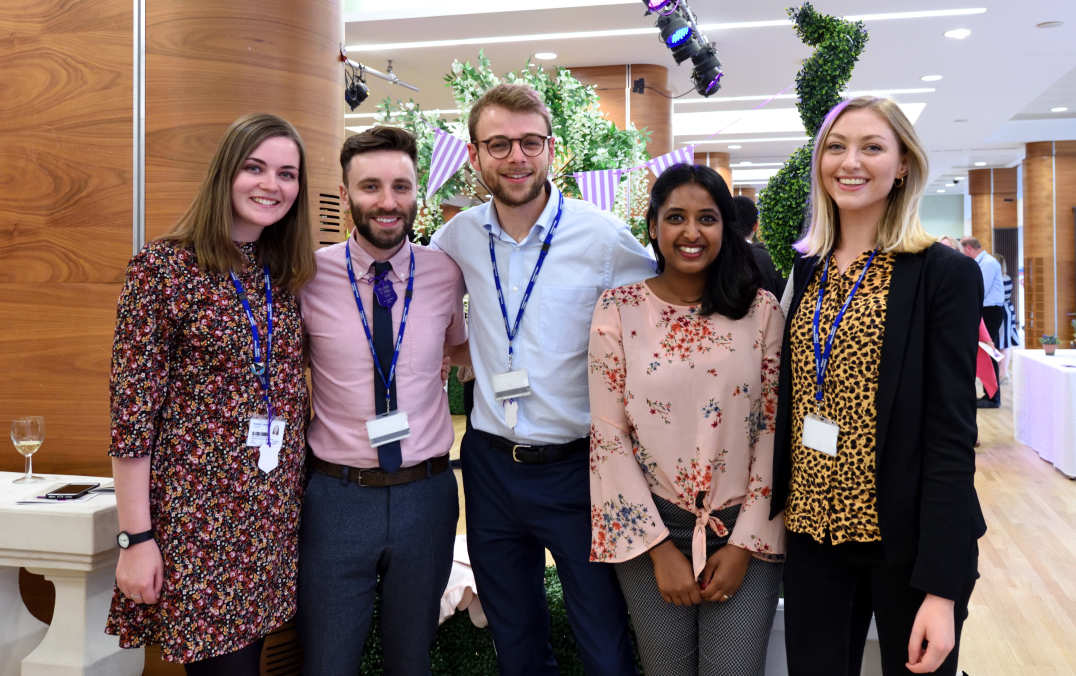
{"points": [[683, 376]]}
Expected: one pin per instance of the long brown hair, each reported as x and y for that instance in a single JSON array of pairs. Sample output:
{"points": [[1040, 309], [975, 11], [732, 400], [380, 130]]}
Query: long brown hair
{"points": [[285, 246]]}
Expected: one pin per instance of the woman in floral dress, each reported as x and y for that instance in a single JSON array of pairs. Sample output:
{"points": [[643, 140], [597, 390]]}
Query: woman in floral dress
{"points": [[207, 354], [683, 374]]}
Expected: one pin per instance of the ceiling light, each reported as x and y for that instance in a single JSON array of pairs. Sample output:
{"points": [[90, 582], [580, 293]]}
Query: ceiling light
{"points": [[940, 190], [960, 120], [745, 163], [980, 164], [931, 78], [735, 146], [1049, 24], [957, 33], [926, 14], [1059, 109], [545, 56]]}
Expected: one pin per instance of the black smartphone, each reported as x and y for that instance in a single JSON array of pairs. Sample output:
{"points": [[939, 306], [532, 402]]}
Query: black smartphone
{"points": [[70, 491]]}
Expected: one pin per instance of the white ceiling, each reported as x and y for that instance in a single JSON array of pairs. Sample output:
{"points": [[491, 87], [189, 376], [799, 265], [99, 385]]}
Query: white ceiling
{"points": [[996, 93]]}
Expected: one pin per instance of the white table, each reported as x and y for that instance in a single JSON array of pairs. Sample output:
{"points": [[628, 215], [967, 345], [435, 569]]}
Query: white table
{"points": [[1044, 405], [73, 544]]}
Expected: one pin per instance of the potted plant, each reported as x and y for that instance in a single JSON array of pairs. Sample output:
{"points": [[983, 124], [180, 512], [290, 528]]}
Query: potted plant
{"points": [[1049, 343]]}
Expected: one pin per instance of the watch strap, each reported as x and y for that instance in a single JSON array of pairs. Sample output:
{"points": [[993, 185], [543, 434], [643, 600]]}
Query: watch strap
{"points": [[134, 538]]}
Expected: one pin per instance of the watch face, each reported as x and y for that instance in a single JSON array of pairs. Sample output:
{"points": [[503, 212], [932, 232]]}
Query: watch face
{"points": [[123, 540]]}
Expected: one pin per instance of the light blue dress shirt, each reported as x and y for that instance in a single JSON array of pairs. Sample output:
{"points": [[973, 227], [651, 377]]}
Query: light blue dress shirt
{"points": [[993, 285], [591, 251]]}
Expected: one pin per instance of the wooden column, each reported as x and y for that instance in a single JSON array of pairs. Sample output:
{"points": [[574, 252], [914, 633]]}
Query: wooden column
{"points": [[719, 162], [649, 110], [993, 203], [746, 190], [1049, 170]]}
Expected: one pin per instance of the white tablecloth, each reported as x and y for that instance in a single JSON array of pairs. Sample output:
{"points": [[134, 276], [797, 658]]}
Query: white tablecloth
{"points": [[1044, 405]]}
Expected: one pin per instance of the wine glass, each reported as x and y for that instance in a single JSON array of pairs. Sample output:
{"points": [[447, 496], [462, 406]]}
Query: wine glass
{"points": [[28, 433]]}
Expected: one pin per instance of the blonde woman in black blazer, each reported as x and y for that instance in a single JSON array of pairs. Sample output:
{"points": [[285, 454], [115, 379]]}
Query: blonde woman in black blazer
{"points": [[873, 457]]}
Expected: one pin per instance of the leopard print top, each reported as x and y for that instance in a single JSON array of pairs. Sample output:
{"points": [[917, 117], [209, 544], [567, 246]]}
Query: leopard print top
{"points": [[837, 495]]}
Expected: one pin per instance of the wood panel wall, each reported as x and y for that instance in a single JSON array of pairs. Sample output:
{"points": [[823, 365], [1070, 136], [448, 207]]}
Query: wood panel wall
{"points": [[719, 162], [65, 219], [993, 203], [1038, 171], [1065, 186], [650, 110]]}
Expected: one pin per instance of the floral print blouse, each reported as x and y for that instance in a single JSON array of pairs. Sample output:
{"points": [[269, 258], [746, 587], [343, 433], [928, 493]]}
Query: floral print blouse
{"points": [[682, 406]]}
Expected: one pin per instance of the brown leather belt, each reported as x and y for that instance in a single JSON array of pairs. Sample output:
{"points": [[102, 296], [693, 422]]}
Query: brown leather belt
{"points": [[378, 477], [537, 455]]}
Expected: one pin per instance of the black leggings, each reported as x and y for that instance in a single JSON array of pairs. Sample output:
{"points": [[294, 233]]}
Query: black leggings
{"points": [[243, 662]]}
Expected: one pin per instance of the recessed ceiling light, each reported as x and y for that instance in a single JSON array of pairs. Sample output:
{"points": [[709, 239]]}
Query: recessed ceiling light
{"points": [[940, 190], [545, 56], [734, 146], [1059, 109], [980, 164], [745, 163], [957, 33], [960, 120], [931, 78], [1049, 24]]}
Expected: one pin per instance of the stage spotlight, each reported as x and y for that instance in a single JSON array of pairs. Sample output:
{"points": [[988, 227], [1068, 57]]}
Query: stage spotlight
{"points": [[679, 30], [707, 72], [355, 89]]}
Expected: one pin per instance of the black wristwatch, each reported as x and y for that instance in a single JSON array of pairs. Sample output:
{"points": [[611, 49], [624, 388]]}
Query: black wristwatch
{"points": [[125, 539]]}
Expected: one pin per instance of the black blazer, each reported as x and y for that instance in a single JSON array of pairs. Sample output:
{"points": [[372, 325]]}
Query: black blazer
{"points": [[928, 509]]}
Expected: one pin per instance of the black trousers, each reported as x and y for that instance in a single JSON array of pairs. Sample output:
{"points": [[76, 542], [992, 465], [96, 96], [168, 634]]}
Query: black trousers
{"points": [[831, 593], [994, 317]]}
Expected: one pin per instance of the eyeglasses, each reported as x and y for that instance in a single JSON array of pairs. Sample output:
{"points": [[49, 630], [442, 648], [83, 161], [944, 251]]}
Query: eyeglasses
{"points": [[499, 147]]}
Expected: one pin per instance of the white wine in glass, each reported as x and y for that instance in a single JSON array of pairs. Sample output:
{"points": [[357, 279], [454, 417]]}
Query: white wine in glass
{"points": [[28, 434]]}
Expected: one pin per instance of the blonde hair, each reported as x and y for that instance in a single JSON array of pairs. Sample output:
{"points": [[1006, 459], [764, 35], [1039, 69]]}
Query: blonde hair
{"points": [[900, 229], [286, 246]]}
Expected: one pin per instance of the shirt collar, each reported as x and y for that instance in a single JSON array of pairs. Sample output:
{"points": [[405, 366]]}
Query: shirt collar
{"points": [[537, 231], [979, 256], [363, 262]]}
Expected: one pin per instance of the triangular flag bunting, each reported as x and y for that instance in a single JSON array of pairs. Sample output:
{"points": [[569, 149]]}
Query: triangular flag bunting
{"points": [[449, 154], [599, 187], [685, 155]]}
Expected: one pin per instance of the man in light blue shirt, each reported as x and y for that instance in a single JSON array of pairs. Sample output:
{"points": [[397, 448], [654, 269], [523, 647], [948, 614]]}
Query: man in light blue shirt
{"points": [[993, 303], [534, 263]]}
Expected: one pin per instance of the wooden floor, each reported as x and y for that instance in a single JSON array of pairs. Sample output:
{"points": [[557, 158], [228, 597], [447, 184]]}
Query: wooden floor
{"points": [[1022, 617], [1023, 611]]}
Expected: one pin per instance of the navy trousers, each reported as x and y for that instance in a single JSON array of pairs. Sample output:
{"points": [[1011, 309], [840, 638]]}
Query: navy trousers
{"points": [[354, 539], [515, 512]]}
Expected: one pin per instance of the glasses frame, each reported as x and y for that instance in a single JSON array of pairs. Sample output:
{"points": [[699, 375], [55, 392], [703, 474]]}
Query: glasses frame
{"points": [[546, 140]]}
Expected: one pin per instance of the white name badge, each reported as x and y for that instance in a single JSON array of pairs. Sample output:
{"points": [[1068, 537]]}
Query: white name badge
{"points": [[511, 412], [511, 385], [820, 434], [387, 427], [258, 433]]}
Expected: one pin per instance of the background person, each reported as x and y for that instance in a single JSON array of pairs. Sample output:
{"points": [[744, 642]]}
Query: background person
{"points": [[993, 311], [683, 390], [207, 357], [745, 224], [873, 453]]}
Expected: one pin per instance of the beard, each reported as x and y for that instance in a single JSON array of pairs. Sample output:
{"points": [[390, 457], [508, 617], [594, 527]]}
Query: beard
{"points": [[501, 191], [377, 236]]}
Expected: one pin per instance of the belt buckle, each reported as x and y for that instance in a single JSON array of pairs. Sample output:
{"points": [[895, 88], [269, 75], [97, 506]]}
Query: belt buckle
{"points": [[360, 478], [515, 448]]}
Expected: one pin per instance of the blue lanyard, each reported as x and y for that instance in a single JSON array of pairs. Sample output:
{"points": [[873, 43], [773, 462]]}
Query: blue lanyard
{"points": [[514, 329], [366, 325], [259, 366], [821, 358]]}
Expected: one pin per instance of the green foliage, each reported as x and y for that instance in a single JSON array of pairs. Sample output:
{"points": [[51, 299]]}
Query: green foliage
{"points": [[455, 393], [585, 139], [783, 202], [462, 648]]}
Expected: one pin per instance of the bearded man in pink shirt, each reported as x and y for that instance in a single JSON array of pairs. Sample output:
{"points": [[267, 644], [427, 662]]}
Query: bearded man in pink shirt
{"points": [[381, 506]]}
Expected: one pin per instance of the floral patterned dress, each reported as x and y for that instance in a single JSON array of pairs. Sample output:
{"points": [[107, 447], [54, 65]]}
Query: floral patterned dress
{"points": [[682, 407], [183, 392]]}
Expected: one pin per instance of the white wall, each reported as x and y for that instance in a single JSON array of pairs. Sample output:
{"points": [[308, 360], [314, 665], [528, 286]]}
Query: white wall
{"points": [[943, 215]]}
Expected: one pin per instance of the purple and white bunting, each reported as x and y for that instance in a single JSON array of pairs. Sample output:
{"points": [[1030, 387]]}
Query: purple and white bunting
{"points": [[685, 155], [449, 154], [599, 187]]}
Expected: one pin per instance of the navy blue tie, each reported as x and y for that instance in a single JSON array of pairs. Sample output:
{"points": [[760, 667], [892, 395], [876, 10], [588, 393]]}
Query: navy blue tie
{"points": [[388, 455]]}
